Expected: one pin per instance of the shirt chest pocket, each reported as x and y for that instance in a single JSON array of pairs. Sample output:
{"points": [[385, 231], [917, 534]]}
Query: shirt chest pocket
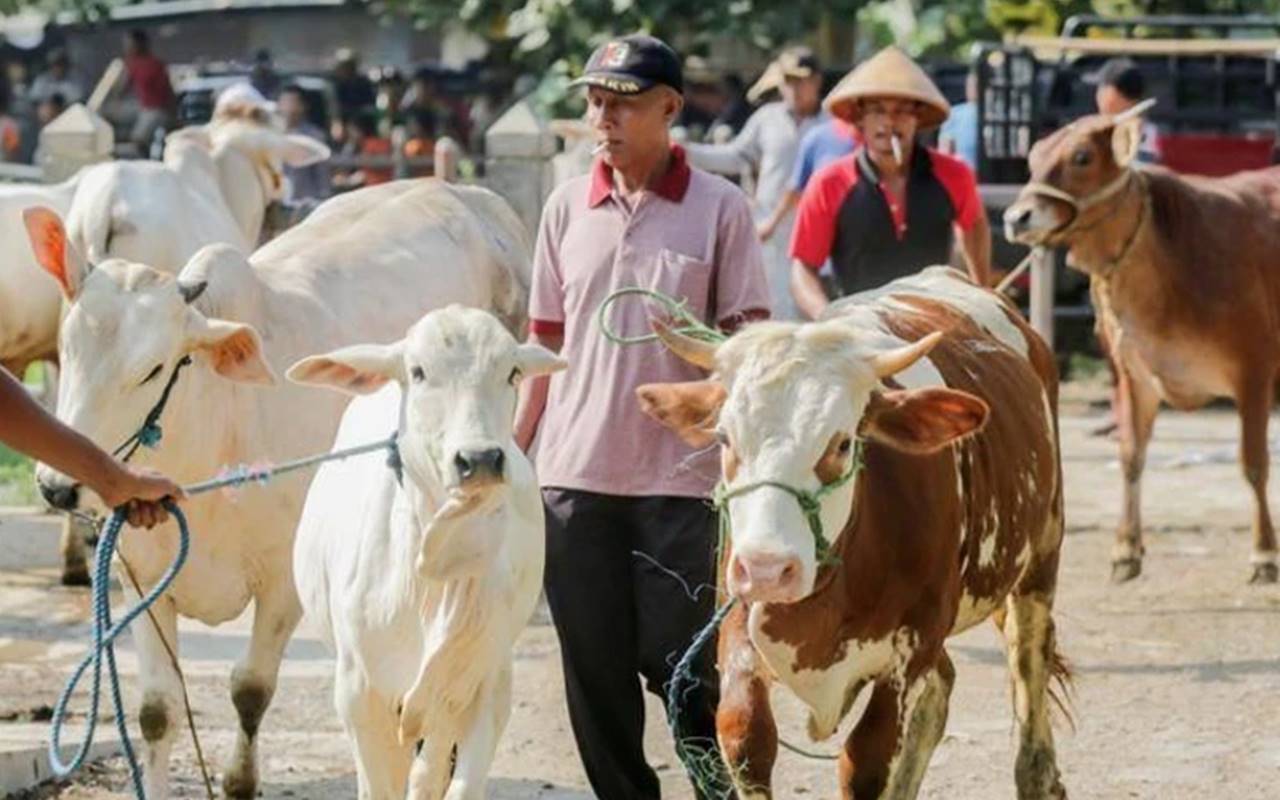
{"points": [[684, 278]]}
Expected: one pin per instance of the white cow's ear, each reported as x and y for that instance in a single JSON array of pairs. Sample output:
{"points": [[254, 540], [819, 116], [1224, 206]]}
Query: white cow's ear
{"points": [[52, 250], [234, 350], [302, 151], [534, 359], [359, 369]]}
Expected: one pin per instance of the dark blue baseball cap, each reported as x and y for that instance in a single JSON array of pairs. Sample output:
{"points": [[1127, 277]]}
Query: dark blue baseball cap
{"points": [[633, 64]]}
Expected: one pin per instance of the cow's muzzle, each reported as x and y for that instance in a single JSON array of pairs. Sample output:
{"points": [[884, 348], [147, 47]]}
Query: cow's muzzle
{"points": [[62, 496], [767, 578], [480, 466]]}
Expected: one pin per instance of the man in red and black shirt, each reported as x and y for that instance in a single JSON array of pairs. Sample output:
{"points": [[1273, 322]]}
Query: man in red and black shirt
{"points": [[892, 207]]}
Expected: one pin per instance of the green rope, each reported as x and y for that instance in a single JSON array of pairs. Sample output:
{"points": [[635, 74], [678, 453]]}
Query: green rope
{"points": [[810, 504], [687, 323]]}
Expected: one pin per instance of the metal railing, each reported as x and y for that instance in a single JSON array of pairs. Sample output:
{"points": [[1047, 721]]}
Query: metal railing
{"points": [[21, 173], [442, 163]]}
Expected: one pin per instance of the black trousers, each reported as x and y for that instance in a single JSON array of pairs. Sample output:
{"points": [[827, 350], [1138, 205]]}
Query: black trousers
{"points": [[619, 616]]}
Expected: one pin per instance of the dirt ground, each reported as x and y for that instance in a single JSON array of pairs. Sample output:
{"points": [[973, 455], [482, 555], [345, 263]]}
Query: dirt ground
{"points": [[1177, 694]]}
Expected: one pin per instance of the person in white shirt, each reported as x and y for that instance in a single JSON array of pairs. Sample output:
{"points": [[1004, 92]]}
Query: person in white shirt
{"points": [[767, 145]]}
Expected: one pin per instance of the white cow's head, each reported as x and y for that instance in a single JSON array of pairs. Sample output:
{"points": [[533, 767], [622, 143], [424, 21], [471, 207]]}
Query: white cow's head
{"points": [[458, 369], [125, 328], [786, 403], [249, 153]]}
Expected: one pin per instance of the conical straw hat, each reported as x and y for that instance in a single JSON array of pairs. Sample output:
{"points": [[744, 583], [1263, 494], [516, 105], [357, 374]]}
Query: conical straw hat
{"points": [[889, 73]]}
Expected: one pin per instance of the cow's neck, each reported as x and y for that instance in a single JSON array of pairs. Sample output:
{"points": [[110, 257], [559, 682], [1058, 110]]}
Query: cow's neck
{"points": [[240, 185], [1107, 243]]}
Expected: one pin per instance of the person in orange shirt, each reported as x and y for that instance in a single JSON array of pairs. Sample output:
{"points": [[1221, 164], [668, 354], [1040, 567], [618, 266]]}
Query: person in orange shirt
{"points": [[421, 141], [10, 133], [363, 139]]}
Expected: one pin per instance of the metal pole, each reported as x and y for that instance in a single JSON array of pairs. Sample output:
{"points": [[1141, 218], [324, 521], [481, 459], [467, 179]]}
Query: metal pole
{"points": [[1042, 279], [446, 159]]}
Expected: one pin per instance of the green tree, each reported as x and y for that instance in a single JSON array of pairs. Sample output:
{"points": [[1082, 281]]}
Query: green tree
{"points": [[545, 34]]}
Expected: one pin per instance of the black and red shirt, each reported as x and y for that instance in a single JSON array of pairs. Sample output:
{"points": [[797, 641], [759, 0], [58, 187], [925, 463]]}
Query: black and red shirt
{"points": [[849, 215]]}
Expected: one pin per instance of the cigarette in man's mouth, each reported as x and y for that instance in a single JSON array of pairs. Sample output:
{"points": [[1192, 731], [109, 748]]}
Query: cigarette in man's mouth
{"points": [[600, 145], [897, 148]]}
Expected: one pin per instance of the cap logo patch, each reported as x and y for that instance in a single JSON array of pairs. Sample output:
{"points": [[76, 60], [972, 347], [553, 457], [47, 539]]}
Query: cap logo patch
{"points": [[614, 55]]}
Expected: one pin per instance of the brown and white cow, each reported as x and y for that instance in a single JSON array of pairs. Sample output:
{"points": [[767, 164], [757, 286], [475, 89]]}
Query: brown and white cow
{"points": [[955, 517], [1185, 277]]}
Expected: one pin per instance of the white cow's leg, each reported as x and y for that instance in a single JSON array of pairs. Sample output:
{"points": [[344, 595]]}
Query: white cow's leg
{"points": [[382, 763], [927, 702], [253, 681], [433, 767], [72, 545], [478, 745], [161, 714]]}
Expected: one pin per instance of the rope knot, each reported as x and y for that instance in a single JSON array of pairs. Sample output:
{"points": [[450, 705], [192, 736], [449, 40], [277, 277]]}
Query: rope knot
{"points": [[149, 436]]}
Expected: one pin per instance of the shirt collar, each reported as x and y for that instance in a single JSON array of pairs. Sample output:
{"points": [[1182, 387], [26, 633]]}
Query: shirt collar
{"points": [[671, 186]]}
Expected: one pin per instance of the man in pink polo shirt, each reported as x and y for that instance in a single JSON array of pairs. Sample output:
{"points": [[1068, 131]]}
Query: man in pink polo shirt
{"points": [[622, 495]]}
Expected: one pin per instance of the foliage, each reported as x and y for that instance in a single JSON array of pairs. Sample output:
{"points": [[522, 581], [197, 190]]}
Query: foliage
{"points": [[541, 34], [17, 479]]}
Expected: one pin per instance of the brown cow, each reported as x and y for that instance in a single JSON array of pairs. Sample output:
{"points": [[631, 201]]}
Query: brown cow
{"points": [[954, 517], [1185, 276]]}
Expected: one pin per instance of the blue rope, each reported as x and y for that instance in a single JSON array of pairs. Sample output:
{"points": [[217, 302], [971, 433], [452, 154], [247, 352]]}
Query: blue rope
{"points": [[104, 636], [105, 633]]}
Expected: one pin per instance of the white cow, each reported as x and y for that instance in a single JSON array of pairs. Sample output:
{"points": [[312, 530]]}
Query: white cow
{"points": [[28, 302], [364, 267], [421, 585], [214, 186]]}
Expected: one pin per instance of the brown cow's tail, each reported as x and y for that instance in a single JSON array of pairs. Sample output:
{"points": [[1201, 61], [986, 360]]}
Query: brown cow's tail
{"points": [[1062, 687]]}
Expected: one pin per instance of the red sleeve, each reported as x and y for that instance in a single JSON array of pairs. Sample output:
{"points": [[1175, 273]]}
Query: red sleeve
{"points": [[815, 228], [961, 185]]}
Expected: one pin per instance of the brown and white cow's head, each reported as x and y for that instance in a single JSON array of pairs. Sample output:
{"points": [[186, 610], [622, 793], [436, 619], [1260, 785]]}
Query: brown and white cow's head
{"points": [[1073, 172], [125, 327], [787, 402], [458, 369]]}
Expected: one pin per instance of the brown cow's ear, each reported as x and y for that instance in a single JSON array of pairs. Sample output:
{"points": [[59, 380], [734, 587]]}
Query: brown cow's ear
{"points": [[689, 409], [922, 421], [1126, 138]]}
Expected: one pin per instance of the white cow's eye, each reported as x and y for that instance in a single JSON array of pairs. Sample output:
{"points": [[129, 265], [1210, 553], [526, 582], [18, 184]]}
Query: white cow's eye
{"points": [[417, 374], [152, 375], [515, 376]]}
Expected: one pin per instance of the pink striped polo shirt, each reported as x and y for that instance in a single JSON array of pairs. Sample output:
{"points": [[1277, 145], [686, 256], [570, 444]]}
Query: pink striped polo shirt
{"points": [[690, 237]]}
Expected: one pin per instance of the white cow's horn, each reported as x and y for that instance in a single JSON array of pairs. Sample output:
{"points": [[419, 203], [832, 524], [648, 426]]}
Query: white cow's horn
{"points": [[192, 290], [891, 362], [696, 352]]}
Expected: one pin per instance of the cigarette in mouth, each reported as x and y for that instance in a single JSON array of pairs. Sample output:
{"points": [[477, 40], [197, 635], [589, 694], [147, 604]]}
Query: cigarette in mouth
{"points": [[600, 145], [897, 148]]}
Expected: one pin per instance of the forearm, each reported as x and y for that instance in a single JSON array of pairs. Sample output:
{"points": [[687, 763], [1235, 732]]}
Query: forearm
{"points": [[533, 401], [786, 205], [725, 159], [533, 395], [806, 288], [26, 427], [976, 243]]}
